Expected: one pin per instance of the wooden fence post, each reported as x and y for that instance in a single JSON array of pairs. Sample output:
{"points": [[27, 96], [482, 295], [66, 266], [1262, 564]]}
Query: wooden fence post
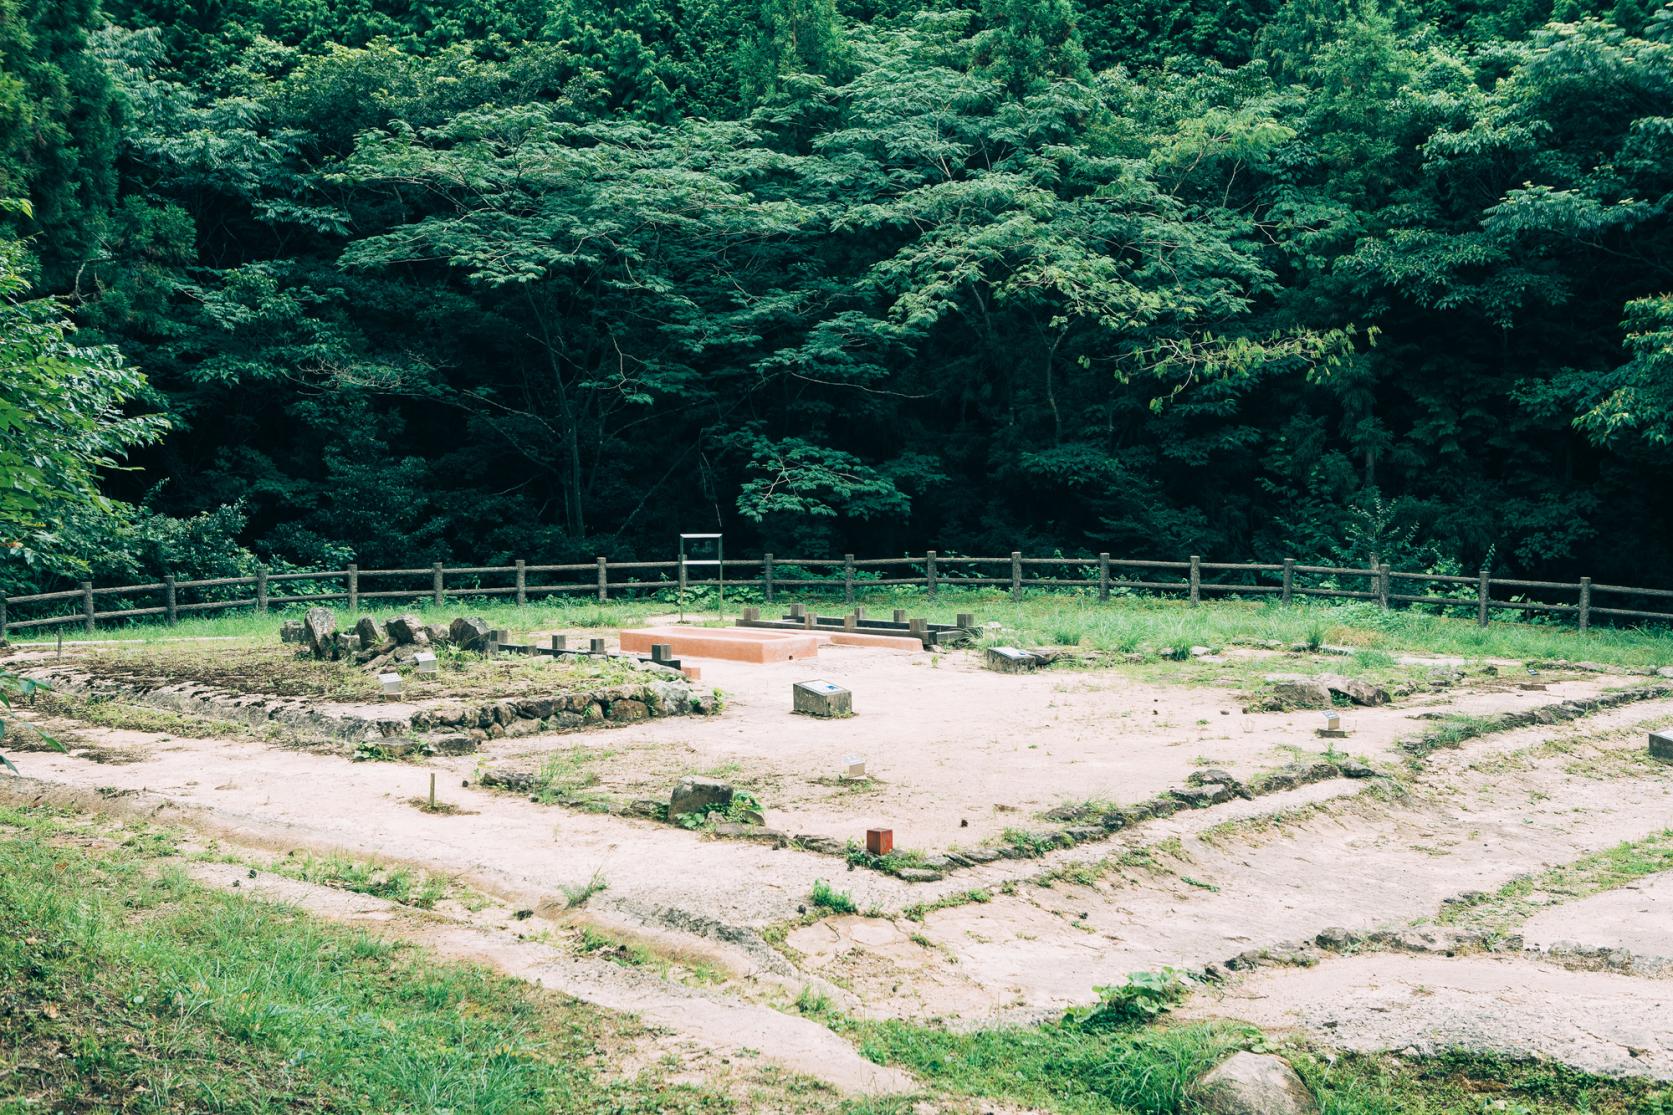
{"points": [[1484, 586], [87, 604], [1585, 604], [171, 607], [438, 586], [1104, 577], [522, 583], [1289, 578], [929, 574], [604, 578], [354, 587], [261, 589], [766, 578], [1016, 575], [2, 619], [1382, 586], [848, 578], [1196, 579]]}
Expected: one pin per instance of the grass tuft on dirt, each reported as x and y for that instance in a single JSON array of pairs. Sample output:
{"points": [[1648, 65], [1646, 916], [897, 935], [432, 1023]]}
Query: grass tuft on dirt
{"points": [[1068, 1068]]}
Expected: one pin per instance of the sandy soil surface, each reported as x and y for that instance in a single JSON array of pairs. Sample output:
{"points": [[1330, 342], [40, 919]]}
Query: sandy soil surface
{"points": [[957, 753], [501, 843], [1600, 1022], [1359, 866], [1638, 917]]}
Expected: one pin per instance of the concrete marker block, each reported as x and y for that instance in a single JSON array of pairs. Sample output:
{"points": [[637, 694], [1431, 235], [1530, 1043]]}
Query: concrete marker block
{"points": [[822, 699], [1010, 660]]}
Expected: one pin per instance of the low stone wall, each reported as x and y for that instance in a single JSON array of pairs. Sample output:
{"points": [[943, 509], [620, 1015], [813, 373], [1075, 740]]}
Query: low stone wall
{"points": [[441, 725]]}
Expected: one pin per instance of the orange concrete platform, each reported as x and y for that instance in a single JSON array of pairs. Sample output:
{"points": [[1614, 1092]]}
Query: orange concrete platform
{"points": [[889, 642], [733, 643]]}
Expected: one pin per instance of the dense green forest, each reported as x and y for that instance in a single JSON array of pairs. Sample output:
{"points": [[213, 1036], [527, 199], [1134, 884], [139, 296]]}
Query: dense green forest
{"points": [[418, 280]]}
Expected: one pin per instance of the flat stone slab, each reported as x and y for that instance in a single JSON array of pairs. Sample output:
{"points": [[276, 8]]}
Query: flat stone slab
{"points": [[1661, 745], [880, 642], [735, 644]]}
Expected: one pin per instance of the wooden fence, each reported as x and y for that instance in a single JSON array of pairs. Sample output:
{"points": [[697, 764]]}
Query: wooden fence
{"points": [[773, 576]]}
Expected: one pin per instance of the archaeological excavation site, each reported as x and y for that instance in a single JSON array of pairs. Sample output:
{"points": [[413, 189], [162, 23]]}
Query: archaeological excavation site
{"points": [[966, 854]]}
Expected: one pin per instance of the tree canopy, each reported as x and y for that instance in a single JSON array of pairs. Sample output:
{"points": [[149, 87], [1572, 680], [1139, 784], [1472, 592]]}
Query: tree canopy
{"points": [[424, 281]]}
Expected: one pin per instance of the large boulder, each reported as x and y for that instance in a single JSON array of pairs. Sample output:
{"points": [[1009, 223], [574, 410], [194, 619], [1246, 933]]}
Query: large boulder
{"points": [[404, 628], [1254, 1084], [699, 795], [1293, 691], [320, 626], [469, 633], [1359, 692], [369, 633], [440, 634]]}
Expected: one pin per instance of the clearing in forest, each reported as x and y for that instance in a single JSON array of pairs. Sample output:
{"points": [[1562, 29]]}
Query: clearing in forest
{"points": [[1128, 858]]}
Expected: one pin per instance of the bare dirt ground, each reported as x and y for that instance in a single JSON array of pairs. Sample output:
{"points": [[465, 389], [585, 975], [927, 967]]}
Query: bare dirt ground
{"points": [[958, 755], [1638, 916], [1614, 1025], [1360, 866]]}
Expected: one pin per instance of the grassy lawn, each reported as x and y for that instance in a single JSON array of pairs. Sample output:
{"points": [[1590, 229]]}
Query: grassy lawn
{"points": [[126, 987], [1124, 625]]}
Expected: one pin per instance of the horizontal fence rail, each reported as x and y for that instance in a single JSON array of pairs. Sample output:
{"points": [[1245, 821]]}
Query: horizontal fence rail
{"points": [[772, 576]]}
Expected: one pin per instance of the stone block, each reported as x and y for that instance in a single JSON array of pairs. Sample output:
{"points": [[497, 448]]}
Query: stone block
{"points": [[319, 625], [821, 698], [698, 795], [469, 633], [293, 631], [368, 632], [404, 628], [918, 875], [1289, 691], [1254, 1084], [1661, 745], [1010, 660]]}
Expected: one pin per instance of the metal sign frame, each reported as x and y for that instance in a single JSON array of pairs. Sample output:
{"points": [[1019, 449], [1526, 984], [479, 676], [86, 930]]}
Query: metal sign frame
{"points": [[718, 561]]}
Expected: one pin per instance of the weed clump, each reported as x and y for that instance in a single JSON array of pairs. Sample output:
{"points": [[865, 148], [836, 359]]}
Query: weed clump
{"points": [[1143, 998], [827, 897]]}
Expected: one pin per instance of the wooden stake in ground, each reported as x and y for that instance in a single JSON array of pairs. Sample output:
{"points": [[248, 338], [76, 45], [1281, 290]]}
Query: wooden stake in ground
{"points": [[432, 791]]}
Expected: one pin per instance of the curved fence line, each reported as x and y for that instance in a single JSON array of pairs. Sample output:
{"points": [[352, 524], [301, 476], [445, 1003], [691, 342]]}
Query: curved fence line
{"points": [[773, 576]]}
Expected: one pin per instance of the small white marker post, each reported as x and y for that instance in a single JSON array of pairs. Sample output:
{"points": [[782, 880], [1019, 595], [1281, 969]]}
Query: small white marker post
{"points": [[426, 662], [856, 766], [1333, 726], [391, 684]]}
